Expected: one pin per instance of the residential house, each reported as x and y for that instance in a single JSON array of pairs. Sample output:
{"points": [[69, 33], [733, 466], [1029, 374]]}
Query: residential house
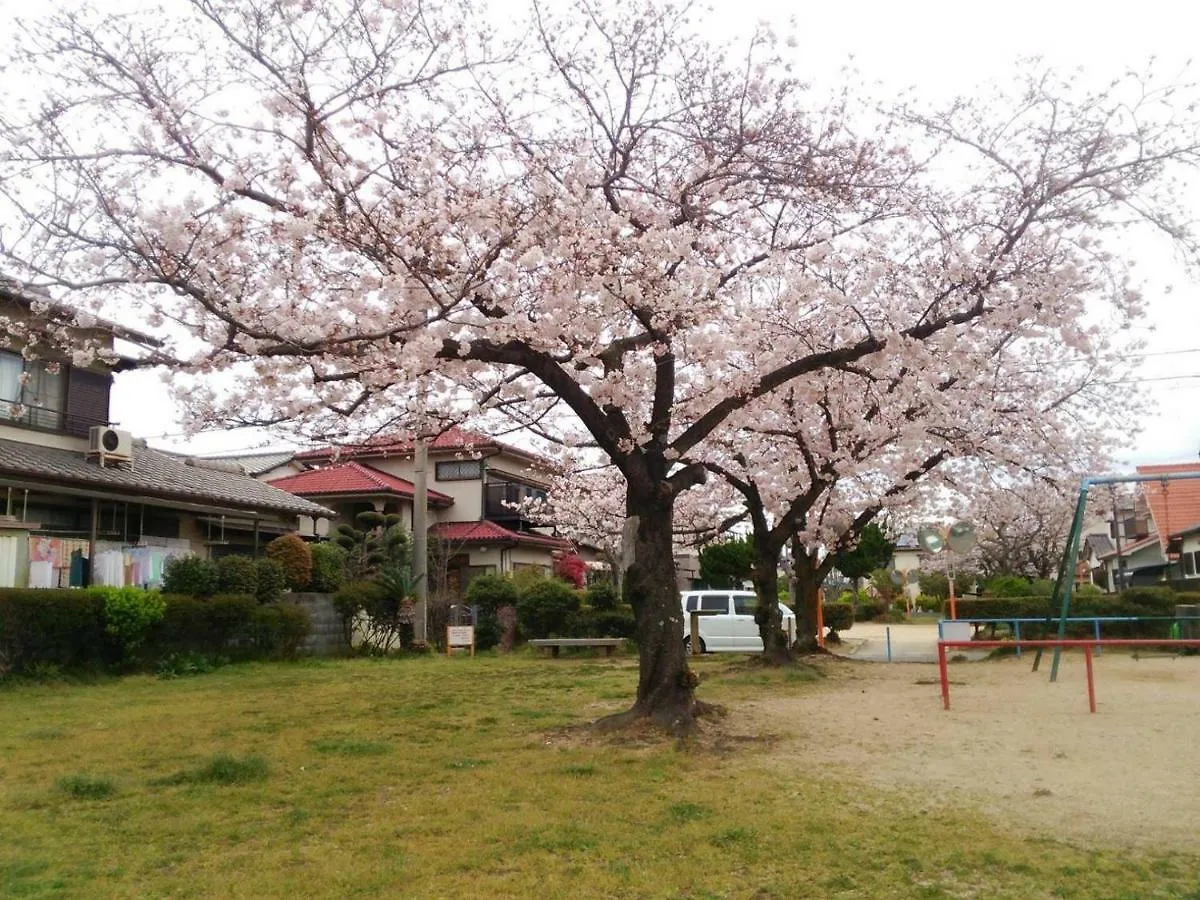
{"points": [[476, 484], [84, 502], [1153, 538]]}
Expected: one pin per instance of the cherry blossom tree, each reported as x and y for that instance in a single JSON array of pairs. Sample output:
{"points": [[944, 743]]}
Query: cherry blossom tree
{"points": [[1022, 526], [821, 466], [364, 210]]}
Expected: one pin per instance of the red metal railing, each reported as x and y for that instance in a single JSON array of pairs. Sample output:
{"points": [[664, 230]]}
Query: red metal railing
{"points": [[1085, 644]]}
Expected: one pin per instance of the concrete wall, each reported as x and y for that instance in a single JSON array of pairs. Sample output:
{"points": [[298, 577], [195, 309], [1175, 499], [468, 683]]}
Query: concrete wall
{"points": [[468, 495], [328, 637]]}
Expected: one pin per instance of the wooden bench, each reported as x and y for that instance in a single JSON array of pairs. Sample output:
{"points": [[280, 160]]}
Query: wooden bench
{"points": [[555, 644]]}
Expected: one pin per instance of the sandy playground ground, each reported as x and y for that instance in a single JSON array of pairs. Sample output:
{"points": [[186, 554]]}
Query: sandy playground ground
{"points": [[1025, 752]]}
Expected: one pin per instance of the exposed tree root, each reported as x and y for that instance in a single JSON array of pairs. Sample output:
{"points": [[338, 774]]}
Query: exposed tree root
{"points": [[675, 720]]}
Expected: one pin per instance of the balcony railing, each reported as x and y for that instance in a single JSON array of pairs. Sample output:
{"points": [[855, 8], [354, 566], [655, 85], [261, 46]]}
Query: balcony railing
{"points": [[500, 498], [42, 418]]}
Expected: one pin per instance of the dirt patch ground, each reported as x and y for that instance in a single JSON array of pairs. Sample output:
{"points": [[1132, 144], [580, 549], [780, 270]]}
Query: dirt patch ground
{"points": [[1023, 751]]}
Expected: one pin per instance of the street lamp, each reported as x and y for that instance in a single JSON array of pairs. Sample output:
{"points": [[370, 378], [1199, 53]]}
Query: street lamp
{"points": [[957, 538]]}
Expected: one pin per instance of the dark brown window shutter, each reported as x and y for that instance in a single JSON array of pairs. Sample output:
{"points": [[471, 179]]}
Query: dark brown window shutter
{"points": [[87, 400]]}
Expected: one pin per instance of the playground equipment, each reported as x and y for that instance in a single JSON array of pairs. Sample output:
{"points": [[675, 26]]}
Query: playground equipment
{"points": [[1087, 645], [1066, 570]]}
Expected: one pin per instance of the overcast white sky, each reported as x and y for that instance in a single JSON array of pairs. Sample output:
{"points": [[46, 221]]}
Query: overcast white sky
{"points": [[943, 48]]}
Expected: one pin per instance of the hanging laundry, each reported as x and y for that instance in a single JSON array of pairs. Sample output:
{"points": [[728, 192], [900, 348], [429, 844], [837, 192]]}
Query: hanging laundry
{"points": [[41, 574]]}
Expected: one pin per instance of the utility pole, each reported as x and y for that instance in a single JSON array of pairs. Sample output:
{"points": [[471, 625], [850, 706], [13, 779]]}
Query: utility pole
{"points": [[421, 537], [1120, 575]]}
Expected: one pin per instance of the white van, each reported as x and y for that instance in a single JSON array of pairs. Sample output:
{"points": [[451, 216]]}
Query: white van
{"points": [[728, 625]]}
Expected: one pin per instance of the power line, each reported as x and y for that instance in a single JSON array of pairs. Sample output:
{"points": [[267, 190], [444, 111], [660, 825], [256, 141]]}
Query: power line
{"points": [[1145, 380]]}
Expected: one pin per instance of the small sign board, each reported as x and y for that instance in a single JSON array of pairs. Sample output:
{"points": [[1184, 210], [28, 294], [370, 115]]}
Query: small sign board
{"points": [[460, 636]]}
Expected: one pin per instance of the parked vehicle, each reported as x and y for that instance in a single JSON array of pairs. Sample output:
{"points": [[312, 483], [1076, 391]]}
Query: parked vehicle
{"points": [[727, 622]]}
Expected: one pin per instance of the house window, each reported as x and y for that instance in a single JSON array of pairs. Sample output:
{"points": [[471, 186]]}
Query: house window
{"points": [[31, 394], [460, 470], [1191, 564]]}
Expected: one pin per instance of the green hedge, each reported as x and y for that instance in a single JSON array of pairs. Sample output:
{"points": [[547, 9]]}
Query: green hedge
{"points": [[63, 628], [838, 616], [1139, 602], [588, 622], [69, 629]]}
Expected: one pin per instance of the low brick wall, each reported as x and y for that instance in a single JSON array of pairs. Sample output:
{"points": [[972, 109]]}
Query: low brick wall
{"points": [[328, 637]]}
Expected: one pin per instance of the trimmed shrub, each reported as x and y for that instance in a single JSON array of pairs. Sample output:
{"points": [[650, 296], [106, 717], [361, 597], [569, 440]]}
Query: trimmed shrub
{"points": [[1012, 586], [934, 584], [490, 592], [602, 595], [866, 610], [355, 596], [271, 579], [838, 616], [213, 625], [929, 603], [192, 576], [545, 608], [571, 569], [1135, 602], [129, 614], [292, 553], [279, 629], [63, 628], [328, 568], [603, 623], [237, 575]]}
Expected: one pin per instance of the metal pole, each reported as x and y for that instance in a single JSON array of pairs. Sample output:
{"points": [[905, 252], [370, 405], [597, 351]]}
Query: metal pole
{"points": [[1119, 578], [421, 535], [1087, 656], [945, 676], [1066, 577], [889, 643], [93, 534]]}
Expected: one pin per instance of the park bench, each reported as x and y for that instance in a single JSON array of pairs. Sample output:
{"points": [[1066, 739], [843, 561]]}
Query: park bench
{"points": [[555, 644]]}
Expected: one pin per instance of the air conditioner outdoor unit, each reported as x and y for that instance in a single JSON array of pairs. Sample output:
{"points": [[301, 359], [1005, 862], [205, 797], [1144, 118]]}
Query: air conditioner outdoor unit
{"points": [[110, 444]]}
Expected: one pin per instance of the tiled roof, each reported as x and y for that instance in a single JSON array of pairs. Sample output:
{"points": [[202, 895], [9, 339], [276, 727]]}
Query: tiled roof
{"points": [[154, 473], [256, 463], [353, 478], [1174, 504], [480, 532], [1128, 548], [59, 312], [453, 438], [1100, 544]]}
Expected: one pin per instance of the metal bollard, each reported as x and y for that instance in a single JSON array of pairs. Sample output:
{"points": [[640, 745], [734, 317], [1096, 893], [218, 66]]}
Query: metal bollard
{"points": [[889, 643]]}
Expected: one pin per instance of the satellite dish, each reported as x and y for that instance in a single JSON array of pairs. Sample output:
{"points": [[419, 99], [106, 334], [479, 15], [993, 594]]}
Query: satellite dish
{"points": [[897, 577], [914, 576], [930, 539], [961, 537]]}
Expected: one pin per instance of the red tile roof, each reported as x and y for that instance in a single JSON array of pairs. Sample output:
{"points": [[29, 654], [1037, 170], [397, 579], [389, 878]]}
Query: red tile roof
{"points": [[480, 532], [1175, 505], [453, 438], [353, 478]]}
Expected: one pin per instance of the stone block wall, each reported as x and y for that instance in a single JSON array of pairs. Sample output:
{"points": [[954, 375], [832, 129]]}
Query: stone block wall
{"points": [[328, 637]]}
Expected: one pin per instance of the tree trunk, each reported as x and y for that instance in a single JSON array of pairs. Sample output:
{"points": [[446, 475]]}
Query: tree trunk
{"points": [[665, 683], [768, 615], [808, 577]]}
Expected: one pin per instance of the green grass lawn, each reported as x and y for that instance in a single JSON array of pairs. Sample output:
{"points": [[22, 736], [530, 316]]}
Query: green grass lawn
{"points": [[455, 778]]}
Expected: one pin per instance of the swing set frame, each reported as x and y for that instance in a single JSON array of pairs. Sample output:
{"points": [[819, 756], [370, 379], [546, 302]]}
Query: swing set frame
{"points": [[1063, 587]]}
